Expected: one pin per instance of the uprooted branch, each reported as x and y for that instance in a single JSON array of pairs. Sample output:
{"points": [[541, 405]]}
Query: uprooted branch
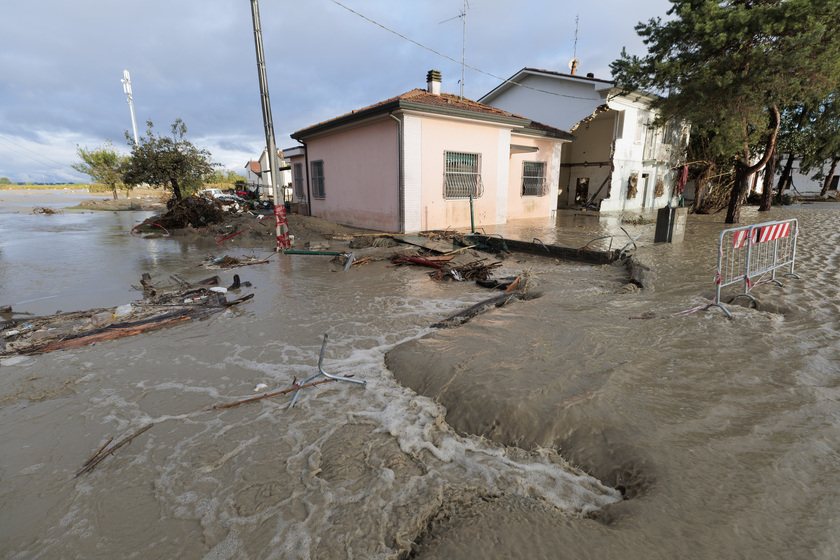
{"points": [[100, 456]]}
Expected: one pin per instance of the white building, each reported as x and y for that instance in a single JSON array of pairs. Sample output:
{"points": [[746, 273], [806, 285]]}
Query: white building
{"points": [[801, 184], [618, 161], [258, 176]]}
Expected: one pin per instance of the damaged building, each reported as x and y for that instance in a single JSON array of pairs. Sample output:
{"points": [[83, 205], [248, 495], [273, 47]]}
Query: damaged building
{"points": [[619, 161]]}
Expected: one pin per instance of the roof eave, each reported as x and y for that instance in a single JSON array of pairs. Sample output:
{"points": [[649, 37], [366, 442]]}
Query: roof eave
{"points": [[346, 119], [405, 105]]}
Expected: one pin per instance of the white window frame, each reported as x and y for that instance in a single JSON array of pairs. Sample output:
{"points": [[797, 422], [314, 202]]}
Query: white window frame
{"points": [[641, 128], [318, 178], [619, 125], [534, 184]]}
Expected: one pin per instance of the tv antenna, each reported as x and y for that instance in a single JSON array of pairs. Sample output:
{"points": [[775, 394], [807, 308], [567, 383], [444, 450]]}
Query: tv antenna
{"points": [[463, 16], [126, 82], [575, 62]]}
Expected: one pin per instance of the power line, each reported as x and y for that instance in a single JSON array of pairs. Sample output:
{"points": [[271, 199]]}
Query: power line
{"points": [[422, 46], [12, 146]]}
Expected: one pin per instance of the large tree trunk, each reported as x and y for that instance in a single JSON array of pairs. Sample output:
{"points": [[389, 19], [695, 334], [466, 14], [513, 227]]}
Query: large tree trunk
{"points": [[767, 185], [743, 169], [176, 190], [784, 180], [701, 187], [739, 192], [114, 189], [829, 176]]}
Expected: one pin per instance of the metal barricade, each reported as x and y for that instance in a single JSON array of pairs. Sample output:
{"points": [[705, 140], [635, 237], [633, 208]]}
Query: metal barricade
{"points": [[748, 254]]}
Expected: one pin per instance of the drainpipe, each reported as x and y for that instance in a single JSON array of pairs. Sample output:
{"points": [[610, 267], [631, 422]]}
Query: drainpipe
{"points": [[308, 186], [400, 156]]}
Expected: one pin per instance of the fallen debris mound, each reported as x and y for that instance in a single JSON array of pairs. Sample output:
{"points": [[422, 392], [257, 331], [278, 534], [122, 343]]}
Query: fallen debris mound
{"points": [[232, 262], [160, 307], [45, 210], [192, 211]]}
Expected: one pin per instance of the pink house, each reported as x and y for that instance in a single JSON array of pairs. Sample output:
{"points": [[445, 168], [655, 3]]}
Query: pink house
{"points": [[419, 161]]}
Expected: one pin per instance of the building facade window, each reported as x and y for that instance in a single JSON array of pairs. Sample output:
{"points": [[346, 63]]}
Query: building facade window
{"points": [[462, 175], [533, 178], [297, 180], [317, 170], [641, 128]]}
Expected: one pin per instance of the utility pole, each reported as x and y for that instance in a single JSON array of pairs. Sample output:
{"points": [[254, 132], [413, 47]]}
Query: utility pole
{"points": [[280, 223], [126, 82]]}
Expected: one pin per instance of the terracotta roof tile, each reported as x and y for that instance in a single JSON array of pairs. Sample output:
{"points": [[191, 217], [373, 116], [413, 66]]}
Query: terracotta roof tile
{"points": [[445, 100]]}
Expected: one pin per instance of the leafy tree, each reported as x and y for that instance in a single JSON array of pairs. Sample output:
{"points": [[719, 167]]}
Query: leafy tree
{"points": [[168, 161], [729, 66], [225, 179], [5, 181], [103, 164]]}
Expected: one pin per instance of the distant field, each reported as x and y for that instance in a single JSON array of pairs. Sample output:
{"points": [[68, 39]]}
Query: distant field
{"points": [[76, 186]]}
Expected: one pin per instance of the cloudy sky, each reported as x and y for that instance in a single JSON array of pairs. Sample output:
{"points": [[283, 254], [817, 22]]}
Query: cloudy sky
{"points": [[61, 64]]}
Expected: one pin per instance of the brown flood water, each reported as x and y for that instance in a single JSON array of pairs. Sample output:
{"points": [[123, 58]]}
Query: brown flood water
{"points": [[704, 438]]}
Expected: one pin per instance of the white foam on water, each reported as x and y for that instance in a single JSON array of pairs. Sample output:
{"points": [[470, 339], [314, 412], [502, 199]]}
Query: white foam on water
{"points": [[14, 360]]}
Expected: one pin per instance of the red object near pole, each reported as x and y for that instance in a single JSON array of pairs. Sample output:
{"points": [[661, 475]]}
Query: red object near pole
{"points": [[283, 241]]}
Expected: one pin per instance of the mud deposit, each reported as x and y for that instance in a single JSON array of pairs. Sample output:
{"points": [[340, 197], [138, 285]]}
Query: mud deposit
{"points": [[567, 426]]}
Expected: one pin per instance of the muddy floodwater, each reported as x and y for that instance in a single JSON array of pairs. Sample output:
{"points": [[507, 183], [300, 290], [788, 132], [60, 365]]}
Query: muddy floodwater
{"points": [[591, 422]]}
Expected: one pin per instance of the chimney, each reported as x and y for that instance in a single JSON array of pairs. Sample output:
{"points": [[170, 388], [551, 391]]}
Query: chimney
{"points": [[433, 82]]}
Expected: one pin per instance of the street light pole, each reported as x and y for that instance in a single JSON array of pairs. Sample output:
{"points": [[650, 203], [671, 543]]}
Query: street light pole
{"points": [[282, 227], [126, 82]]}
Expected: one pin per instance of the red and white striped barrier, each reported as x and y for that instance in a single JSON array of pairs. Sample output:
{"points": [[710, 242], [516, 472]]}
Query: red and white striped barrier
{"points": [[749, 254], [761, 234]]}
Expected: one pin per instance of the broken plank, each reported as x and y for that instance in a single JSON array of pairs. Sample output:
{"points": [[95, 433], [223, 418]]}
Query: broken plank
{"points": [[426, 243]]}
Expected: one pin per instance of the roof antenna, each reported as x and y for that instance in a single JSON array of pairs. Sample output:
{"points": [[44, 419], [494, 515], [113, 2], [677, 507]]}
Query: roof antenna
{"points": [[575, 62], [463, 16]]}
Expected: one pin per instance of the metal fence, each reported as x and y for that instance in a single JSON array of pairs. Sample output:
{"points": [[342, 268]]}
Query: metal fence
{"points": [[751, 255]]}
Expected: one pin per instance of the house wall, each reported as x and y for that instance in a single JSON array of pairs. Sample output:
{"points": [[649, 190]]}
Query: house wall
{"points": [[519, 206], [579, 101], [361, 176], [588, 156], [264, 180], [629, 159], [803, 184], [439, 135], [362, 173]]}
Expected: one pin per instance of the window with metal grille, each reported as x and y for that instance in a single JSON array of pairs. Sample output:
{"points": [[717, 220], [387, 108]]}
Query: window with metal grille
{"points": [[317, 169], [462, 176], [297, 179], [533, 179]]}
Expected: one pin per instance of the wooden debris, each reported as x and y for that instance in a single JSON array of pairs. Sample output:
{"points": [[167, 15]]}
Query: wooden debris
{"points": [[513, 285], [99, 456], [483, 307], [233, 262], [267, 395], [101, 453], [416, 260], [476, 270], [158, 309]]}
